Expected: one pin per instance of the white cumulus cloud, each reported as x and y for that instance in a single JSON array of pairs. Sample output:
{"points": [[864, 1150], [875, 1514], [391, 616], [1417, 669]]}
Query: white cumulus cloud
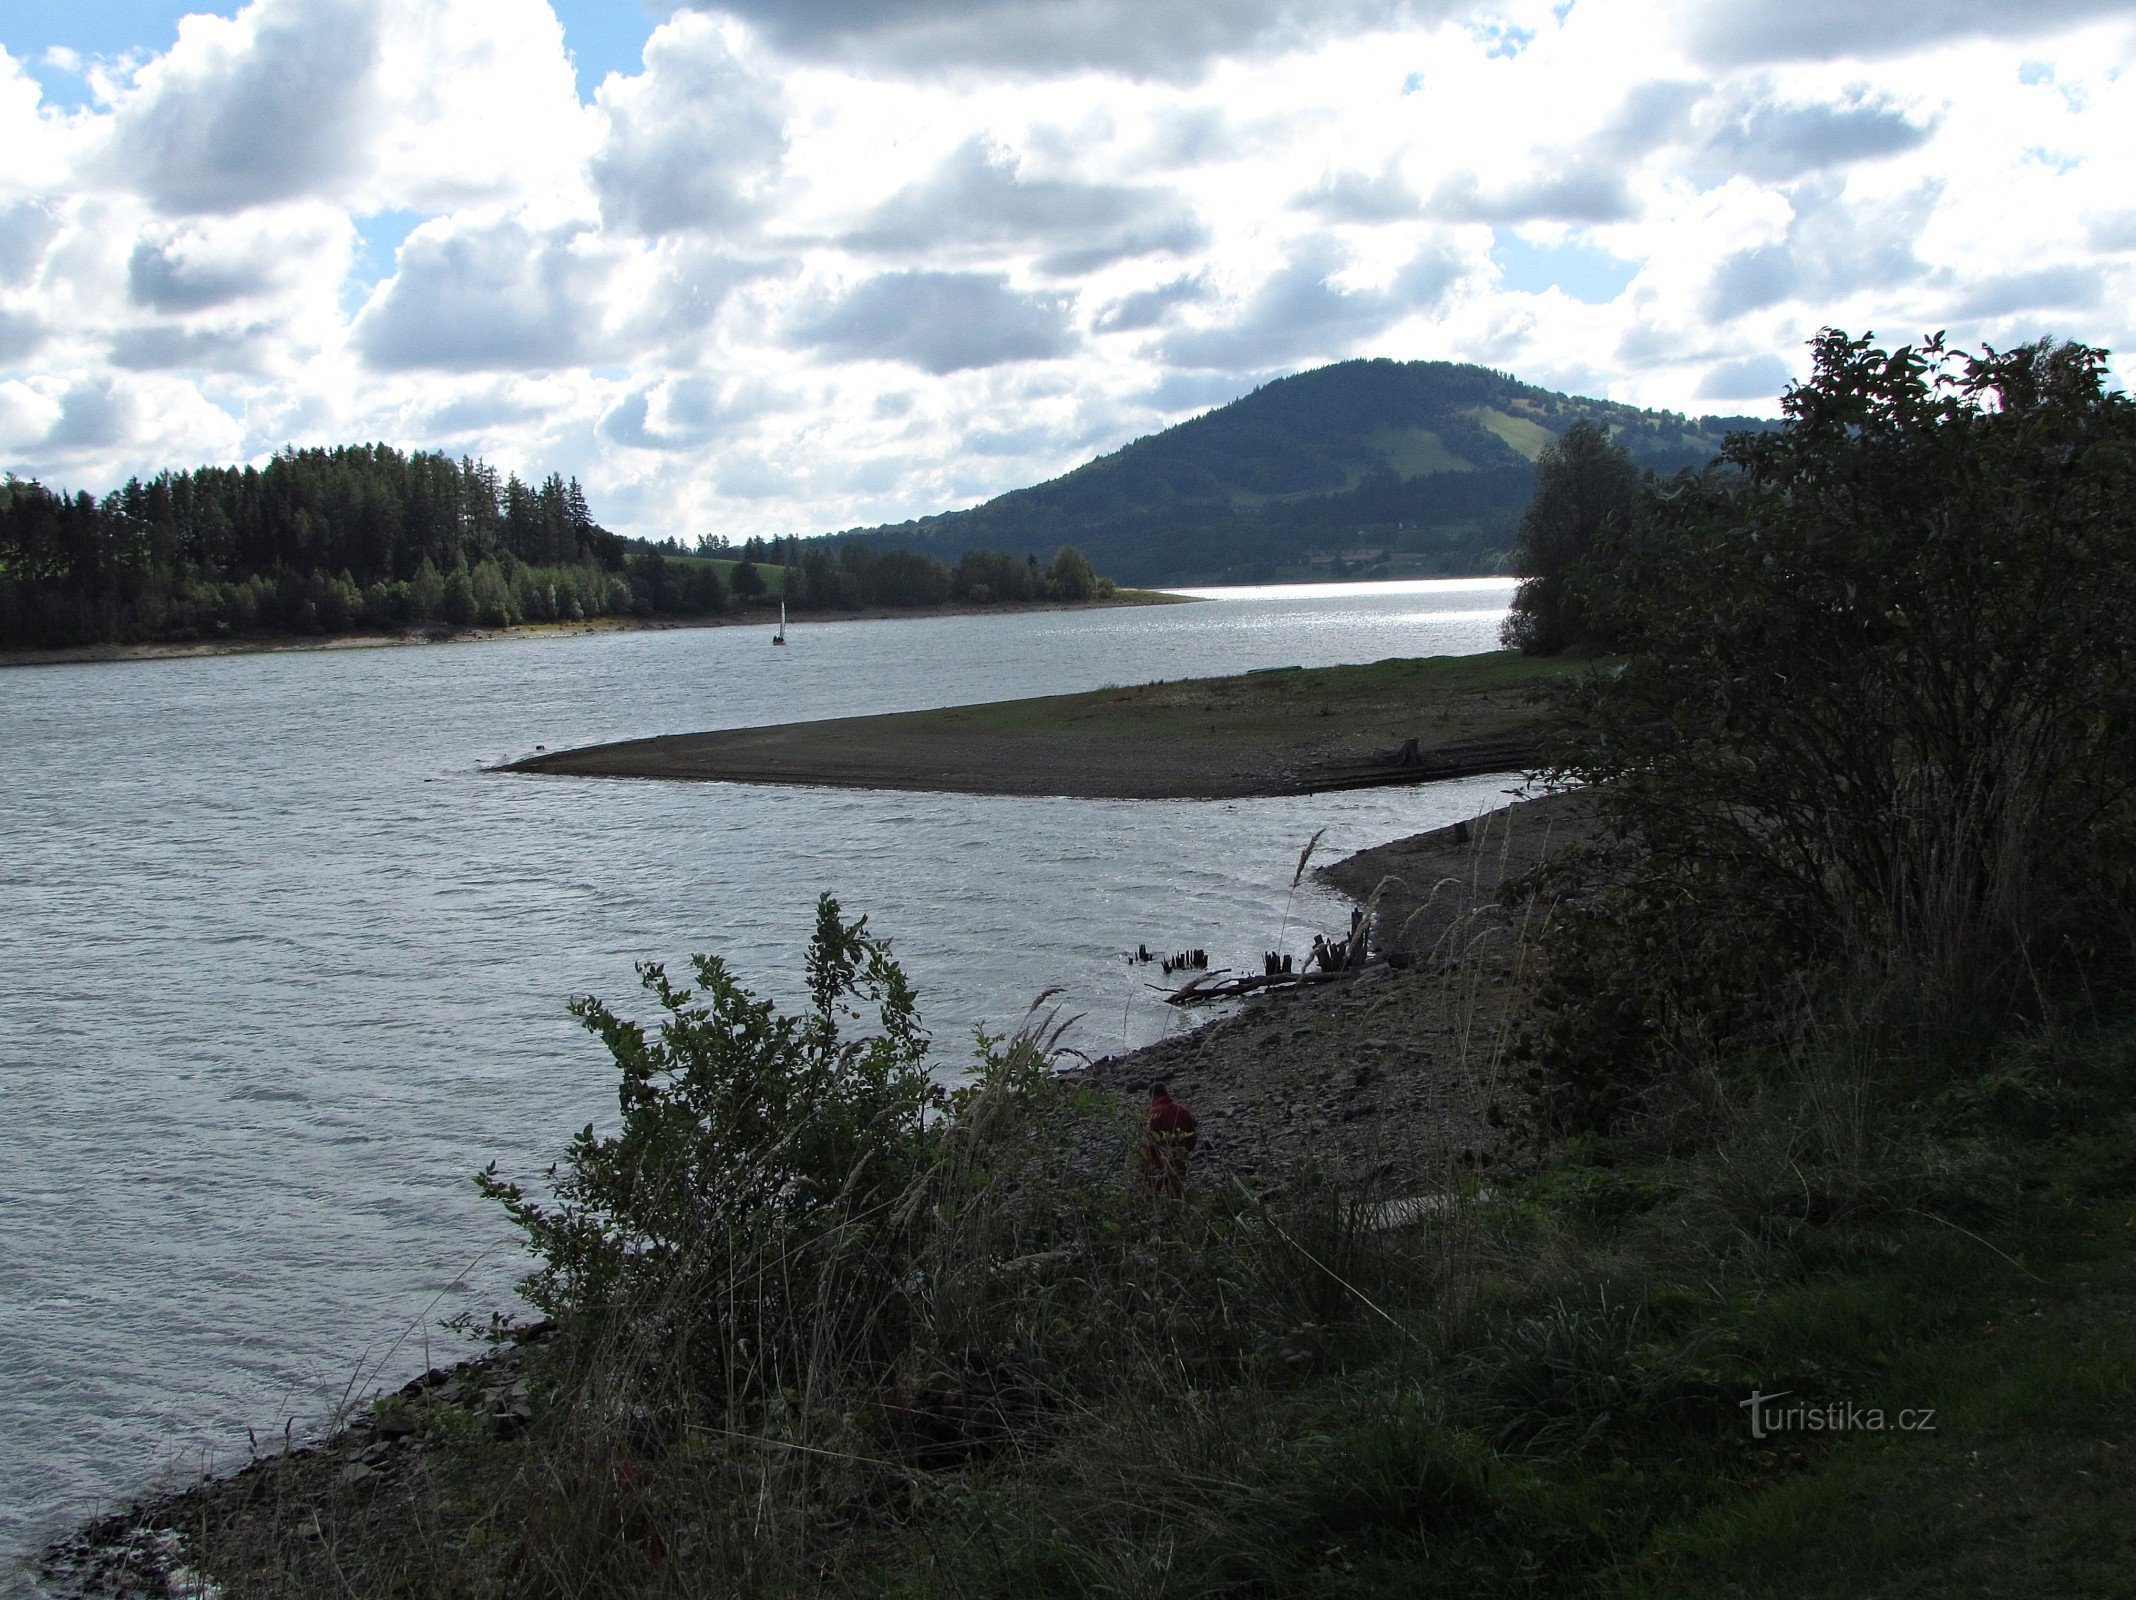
{"points": [[808, 264]]}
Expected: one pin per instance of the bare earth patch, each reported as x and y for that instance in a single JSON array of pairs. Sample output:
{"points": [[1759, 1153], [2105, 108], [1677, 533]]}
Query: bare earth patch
{"points": [[1389, 1076], [1289, 731]]}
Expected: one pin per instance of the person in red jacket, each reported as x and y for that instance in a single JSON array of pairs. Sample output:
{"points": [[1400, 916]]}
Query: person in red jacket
{"points": [[1168, 1145]]}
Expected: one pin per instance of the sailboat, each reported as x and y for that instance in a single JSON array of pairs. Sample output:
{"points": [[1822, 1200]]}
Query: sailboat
{"points": [[780, 636]]}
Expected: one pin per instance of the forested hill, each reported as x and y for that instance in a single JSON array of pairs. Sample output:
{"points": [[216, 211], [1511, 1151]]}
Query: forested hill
{"points": [[1362, 469], [367, 538], [317, 541]]}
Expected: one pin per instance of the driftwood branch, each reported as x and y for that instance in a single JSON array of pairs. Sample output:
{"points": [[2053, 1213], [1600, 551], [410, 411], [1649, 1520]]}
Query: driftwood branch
{"points": [[1213, 986]]}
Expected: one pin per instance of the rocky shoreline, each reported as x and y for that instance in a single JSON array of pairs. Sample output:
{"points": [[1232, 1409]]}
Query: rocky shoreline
{"points": [[139, 1553], [1389, 1079]]}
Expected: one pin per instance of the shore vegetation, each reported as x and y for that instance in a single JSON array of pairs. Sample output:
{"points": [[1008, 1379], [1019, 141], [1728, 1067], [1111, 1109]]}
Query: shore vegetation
{"points": [[367, 539], [1805, 1265]]}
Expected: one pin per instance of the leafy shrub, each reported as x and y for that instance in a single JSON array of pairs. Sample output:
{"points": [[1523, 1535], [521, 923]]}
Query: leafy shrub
{"points": [[752, 1212], [1586, 487], [1877, 711]]}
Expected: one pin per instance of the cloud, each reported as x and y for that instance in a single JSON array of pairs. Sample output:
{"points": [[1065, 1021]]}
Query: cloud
{"points": [[1835, 246], [682, 413], [161, 277], [1355, 196], [480, 412], [495, 297], [201, 265], [693, 141], [1750, 280], [27, 229], [757, 477], [682, 287], [22, 334], [2063, 288], [112, 426], [1189, 136], [940, 322], [1774, 140], [1297, 313], [1746, 129], [2111, 230], [1201, 391], [1032, 439], [629, 424], [1650, 116], [1646, 344], [37, 143], [1729, 33], [163, 347], [92, 416], [275, 105], [396, 219], [476, 101], [1577, 191], [26, 416], [1752, 378], [1844, 243], [978, 200], [1167, 39], [1146, 308]]}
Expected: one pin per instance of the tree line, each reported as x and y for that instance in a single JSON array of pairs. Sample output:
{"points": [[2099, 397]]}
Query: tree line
{"points": [[1866, 704], [366, 537], [855, 574], [316, 541]]}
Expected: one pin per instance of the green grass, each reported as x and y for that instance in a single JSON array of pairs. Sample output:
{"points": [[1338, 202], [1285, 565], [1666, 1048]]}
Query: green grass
{"points": [[1474, 692], [1523, 435], [1147, 597], [774, 576], [1540, 1397], [1539, 1393], [1413, 452], [1413, 1472], [2027, 1485]]}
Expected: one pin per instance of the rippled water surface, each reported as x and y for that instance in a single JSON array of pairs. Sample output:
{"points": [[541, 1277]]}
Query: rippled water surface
{"points": [[281, 964]]}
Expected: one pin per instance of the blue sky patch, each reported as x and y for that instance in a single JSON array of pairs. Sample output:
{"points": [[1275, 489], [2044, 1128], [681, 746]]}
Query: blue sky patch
{"points": [[607, 36], [107, 28], [1583, 271], [1501, 39], [603, 36], [378, 237]]}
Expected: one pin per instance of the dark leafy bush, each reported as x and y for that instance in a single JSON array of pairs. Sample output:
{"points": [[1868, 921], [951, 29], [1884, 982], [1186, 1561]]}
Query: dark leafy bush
{"points": [[1586, 487], [1877, 709], [752, 1214]]}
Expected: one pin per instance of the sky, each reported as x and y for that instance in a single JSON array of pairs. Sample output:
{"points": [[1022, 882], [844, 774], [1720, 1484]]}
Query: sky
{"points": [[786, 266]]}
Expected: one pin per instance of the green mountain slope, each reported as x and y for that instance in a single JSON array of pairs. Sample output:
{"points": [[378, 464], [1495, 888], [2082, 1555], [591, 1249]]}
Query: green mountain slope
{"points": [[1362, 469]]}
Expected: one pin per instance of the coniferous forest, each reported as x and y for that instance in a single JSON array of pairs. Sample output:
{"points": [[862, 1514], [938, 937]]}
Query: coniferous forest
{"points": [[366, 538], [317, 541]]}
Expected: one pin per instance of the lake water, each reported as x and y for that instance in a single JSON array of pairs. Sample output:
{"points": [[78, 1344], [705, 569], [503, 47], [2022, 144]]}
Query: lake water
{"points": [[283, 964]]}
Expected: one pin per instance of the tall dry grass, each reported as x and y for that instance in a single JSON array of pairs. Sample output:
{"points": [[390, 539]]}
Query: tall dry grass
{"points": [[777, 1407]]}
